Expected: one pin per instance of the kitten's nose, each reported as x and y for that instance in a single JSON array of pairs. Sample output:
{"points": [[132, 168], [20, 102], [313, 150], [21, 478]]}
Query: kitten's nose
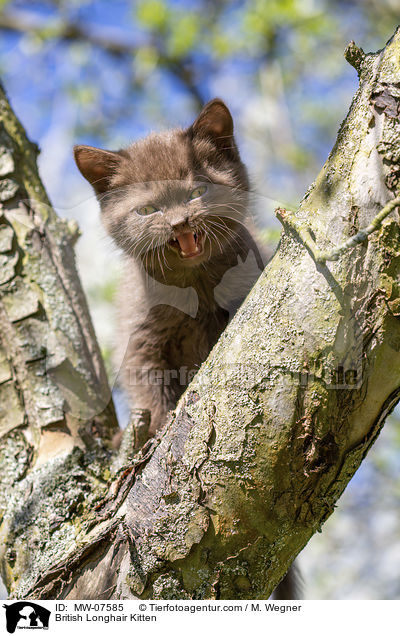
{"points": [[179, 223]]}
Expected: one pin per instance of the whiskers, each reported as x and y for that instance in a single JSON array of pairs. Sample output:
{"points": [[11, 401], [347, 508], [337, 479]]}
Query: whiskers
{"points": [[219, 226], [153, 256], [142, 246], [215, 226]]}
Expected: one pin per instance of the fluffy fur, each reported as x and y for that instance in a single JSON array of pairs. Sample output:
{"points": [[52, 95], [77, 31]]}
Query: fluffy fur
{"points": [[173, 308]]}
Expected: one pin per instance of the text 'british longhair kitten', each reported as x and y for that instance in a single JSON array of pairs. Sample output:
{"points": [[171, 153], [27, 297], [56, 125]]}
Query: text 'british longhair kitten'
{"points": [[177, 204]]}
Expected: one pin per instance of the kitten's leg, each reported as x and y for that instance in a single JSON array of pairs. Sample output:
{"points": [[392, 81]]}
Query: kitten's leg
{"points": [[150, 382]]}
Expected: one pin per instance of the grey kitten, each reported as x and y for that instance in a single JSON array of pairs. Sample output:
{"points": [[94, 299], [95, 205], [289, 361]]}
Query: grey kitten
{"points": [[177, 203]]}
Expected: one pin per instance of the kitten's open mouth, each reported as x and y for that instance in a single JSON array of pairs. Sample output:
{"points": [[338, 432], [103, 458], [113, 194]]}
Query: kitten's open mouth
{"points": [[188, 244]]}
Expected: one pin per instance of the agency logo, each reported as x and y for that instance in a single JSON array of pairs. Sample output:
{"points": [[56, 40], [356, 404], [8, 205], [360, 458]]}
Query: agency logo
{"points": [[26, 615]]}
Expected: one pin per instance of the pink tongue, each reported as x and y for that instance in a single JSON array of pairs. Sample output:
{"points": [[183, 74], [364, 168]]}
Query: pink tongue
{"points": [[187, 243]]}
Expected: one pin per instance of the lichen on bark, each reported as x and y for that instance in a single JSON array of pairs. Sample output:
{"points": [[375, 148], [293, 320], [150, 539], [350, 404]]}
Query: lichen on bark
{"points": [[54, 396]]}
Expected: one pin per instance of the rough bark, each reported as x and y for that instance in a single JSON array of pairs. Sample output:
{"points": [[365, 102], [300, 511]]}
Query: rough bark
{"points": [[54, 395], [268, 434]]}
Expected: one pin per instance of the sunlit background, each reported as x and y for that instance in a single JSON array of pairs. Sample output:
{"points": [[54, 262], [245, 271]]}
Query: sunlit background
{"points": [[106, 73]]}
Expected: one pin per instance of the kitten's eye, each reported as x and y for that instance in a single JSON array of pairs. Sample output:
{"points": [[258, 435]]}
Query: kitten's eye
{"points": [[197, 192], [146, 210]]}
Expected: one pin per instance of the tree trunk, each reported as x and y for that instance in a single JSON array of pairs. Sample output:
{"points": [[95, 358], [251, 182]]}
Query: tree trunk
{"points": [[266, 437]]}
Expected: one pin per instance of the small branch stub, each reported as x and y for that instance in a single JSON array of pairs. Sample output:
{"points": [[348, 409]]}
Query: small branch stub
{"points": [[133, 438], [354, 56]]}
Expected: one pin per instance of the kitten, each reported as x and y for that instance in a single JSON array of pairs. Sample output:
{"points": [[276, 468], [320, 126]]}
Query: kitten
{"points": [[177, 204]]}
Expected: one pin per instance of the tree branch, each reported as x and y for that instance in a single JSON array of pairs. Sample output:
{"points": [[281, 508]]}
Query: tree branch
{"points": [[54, 393], [288, 220]]}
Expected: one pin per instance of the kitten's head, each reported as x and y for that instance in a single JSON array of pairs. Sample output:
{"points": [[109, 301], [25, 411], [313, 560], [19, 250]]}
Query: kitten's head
{"points": [[175, 199]]}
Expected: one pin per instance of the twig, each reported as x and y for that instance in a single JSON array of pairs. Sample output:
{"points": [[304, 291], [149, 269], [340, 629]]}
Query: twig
{"points": [[288, 220]]}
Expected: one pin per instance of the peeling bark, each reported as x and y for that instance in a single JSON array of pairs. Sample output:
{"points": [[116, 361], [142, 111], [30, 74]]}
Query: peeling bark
{"points": [[56, 417], [266, 437]]}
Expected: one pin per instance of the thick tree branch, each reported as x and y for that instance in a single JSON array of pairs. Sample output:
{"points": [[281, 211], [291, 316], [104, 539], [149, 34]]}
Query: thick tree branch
{"points": [[54, 395]]}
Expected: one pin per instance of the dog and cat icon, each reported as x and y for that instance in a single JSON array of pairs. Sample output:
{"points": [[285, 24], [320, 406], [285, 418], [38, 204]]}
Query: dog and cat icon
{"points": [[26, 615]]}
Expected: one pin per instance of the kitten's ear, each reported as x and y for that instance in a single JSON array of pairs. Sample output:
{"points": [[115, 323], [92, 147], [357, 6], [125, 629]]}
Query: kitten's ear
{"points": [[215, 122], [96, 165]]}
